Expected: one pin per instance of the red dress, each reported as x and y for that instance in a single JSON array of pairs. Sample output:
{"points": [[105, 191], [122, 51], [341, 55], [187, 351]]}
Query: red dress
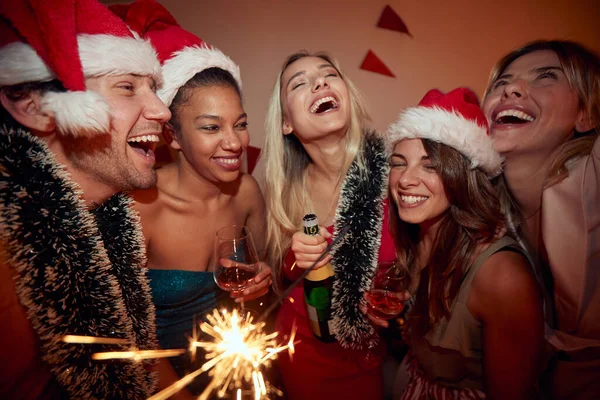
{"points": [[320, 370]]}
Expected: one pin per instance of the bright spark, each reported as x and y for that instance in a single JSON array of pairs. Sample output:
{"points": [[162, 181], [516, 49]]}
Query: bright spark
{"points": [[137, 355], [236, 352], [92, 339]]}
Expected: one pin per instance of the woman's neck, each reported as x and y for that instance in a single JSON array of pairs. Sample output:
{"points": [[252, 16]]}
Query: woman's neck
{"points": [[327, 158], [191, 185], [525, 177], [427, 234]]}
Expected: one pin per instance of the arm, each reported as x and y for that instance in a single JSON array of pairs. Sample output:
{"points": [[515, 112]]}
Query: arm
{"points": [[506, 299], [252, 198], [23, 370]]}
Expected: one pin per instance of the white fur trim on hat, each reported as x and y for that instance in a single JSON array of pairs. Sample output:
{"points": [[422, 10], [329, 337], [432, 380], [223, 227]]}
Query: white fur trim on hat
{"points": [[19, 63], [451, 129], [186, 63], [78, 113], [114, 55], [99, 55]]}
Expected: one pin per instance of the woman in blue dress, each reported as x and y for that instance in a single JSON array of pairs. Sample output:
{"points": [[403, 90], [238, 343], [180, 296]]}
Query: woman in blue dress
{"points": [[199, 193]]}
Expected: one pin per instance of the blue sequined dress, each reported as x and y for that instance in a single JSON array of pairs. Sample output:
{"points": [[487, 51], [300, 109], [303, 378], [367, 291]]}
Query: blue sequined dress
{"points": [[180, 298]]}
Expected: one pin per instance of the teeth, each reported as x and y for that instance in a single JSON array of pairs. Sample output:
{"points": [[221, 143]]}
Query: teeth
{"points": [[227, 160], [514, 113], [145, 138], [317, 103], [412, 199]]}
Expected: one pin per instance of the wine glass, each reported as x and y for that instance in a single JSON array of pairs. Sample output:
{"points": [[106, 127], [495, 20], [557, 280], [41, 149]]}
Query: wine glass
{"points": [[385, 297], [384, 300], [235, 260]]}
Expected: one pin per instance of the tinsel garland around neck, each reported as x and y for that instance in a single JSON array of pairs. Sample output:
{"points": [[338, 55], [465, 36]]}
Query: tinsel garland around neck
{"points": [[354, 259], [77, 272]]}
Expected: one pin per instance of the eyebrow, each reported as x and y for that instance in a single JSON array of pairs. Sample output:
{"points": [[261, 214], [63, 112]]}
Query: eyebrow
{"points": [[425, 157], [303, 72], [207, 116], [152, 81], [534, 70], [216, 117]]}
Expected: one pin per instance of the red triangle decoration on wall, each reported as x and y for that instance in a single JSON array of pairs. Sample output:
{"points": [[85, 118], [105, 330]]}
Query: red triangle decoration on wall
{"points": [[390, 20], [374, 64]]}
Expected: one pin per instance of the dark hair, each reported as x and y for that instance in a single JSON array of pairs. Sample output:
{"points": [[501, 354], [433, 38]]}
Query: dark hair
{"points": [[205, 78], [17, 92], [473, 218]]}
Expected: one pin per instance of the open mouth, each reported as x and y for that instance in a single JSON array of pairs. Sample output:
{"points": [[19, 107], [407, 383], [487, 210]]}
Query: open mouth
{"points": [[513, 116], [413, 199], [324, 105], [144, 144]]}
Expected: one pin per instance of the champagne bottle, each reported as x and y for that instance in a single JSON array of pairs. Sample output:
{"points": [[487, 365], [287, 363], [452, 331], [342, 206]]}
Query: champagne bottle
{"points": [[318, 289]]}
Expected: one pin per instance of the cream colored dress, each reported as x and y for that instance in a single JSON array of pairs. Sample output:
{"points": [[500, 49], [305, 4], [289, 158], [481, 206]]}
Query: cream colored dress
{"points": [[570, 230]]}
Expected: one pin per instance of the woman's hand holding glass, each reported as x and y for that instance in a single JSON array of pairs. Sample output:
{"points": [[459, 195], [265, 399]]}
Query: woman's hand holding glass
{"points": [[388, 292], [237, 267], [258, 287]]}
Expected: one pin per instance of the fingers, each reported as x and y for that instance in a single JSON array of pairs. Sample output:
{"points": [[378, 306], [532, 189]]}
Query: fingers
{"points": [[264, 272], [500, 231], [249, 294], [307, 249], [260, 286], [325, 233], [374, 320]]}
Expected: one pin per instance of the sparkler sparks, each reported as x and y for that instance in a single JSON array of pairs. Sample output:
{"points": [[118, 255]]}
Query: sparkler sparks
{"points": [[137, 354], [133, 354], [236, 353]]}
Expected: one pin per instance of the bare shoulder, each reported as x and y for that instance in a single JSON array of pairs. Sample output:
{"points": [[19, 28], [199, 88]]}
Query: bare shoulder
{"points": [[249, 192], [505, 283], [249, 185]]}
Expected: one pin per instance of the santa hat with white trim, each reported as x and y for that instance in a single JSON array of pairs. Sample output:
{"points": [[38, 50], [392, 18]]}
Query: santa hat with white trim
{"points": [[70, 40], [181, 53], [454, 119]]}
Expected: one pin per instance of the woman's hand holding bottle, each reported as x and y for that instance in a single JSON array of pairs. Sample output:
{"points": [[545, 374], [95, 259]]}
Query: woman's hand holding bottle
{"points": [[307, 248]]}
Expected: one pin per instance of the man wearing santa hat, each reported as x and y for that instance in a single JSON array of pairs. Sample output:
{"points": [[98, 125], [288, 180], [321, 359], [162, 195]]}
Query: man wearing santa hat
{"points": [[80, 122]]}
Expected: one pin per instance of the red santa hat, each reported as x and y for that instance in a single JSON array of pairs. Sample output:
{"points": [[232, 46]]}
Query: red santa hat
{"points": [[42, 40], [454, 119], [181, 53]]}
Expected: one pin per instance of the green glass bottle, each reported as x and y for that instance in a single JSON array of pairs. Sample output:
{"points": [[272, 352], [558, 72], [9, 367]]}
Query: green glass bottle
{"points": [[318, 290]]}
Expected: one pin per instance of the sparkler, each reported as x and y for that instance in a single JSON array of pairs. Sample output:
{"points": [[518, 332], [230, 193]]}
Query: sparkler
{"points": [[237, 349], [133, 354], [237, 352]]}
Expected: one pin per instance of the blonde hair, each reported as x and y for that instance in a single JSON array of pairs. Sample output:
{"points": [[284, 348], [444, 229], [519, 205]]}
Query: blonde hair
{"points": [[582, 70], [286, 162]]}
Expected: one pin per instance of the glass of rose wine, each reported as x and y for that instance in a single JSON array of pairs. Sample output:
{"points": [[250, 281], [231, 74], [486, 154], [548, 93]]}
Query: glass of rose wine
{"points": [[235, 259], [385, 298]]}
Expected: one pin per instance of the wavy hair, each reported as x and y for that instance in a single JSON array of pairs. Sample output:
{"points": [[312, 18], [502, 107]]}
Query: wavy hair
{"points": [[473, 218]]}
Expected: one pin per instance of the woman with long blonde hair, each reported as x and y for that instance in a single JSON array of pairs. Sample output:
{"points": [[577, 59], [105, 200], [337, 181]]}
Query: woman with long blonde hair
{"points": [[321, 159], [543, 104]]}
